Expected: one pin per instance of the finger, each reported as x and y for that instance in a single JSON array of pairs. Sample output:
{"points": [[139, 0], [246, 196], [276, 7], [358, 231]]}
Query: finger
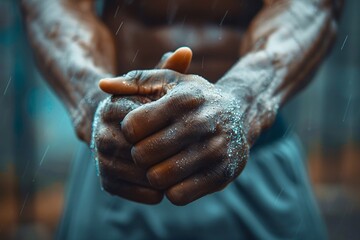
{"points": [[179, 61], [142, 82], [124, 169], [110, 142], [152, 117], [169, 141], [186, 163], [163, 59], [131, 192], [116, 107], [199, 185], [131, 83]]}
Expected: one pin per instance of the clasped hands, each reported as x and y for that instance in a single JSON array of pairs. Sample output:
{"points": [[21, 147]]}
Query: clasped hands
{"points": [[163, 131]]}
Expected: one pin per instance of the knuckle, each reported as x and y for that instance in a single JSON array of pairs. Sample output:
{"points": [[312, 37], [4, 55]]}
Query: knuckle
{"points": [[104, 142], [185, 101], [198, 125], [217, 147], [172, 102], [155, 179], [120, 108], [138, 157], [200, 122], [128, 128], [198, 94], [110, 143], [116, 108]]}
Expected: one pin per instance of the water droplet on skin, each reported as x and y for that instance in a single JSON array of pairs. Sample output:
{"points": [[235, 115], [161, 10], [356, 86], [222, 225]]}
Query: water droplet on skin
{"points": [[231, 118], [94, 136], [196, 181]]}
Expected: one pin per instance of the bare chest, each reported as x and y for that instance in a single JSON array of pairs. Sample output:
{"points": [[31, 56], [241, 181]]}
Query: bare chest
{"points": [[153, 12], [146, 29]]}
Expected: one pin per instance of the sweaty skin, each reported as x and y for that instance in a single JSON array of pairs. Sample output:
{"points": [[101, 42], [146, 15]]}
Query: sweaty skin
{"points": [[249, 58], [134, 184]]}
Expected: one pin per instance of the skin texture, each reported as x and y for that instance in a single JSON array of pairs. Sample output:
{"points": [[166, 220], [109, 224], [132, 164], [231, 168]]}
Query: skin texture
{"points": [[182, 134]]}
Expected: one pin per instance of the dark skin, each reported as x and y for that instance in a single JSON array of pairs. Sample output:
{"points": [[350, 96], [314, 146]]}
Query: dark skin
{"points": [[182, 134]]}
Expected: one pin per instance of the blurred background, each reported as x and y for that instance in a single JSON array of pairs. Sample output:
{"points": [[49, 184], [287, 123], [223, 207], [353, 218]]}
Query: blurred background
{"points": [[38, 145]]}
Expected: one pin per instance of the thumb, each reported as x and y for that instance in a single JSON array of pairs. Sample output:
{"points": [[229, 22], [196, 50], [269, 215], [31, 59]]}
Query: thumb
{"points": [[178, 61]]}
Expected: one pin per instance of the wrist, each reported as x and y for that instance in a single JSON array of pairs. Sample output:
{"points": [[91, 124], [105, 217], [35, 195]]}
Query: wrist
{"points": [[82, 114], [255, 90]]}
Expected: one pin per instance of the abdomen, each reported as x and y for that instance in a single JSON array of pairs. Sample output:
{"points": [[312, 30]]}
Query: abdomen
{"points": [[145, 30]]}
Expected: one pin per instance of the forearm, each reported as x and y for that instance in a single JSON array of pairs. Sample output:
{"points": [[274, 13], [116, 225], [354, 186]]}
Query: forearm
{"points": [[283, 47], [73, 51]]}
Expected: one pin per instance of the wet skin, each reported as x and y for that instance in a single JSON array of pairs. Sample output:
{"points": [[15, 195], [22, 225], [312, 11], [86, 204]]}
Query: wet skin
{"points": [[186, 150], [183, 134]]}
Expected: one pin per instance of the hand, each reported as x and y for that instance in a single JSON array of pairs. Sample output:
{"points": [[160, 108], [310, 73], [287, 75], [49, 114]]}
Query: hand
{"points": [[191, 140], [119, 174]]}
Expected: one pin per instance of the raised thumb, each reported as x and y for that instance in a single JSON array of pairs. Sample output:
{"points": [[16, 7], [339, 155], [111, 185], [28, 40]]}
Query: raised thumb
{"points": [[178, 61]]}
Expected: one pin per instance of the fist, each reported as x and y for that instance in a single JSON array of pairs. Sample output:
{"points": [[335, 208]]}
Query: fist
{"points": [[119, 174], [190, 139]]}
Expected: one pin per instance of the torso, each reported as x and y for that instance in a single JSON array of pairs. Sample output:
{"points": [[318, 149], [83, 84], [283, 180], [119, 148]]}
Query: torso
{"points": [[144, 30]]}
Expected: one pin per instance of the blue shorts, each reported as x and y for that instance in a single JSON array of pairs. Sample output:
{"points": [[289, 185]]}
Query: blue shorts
{"points": [[271, 199]]}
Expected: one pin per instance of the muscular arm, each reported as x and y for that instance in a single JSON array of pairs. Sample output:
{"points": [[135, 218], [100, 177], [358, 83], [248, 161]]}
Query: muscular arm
{"points": [[283, 47], [73, 50]]}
